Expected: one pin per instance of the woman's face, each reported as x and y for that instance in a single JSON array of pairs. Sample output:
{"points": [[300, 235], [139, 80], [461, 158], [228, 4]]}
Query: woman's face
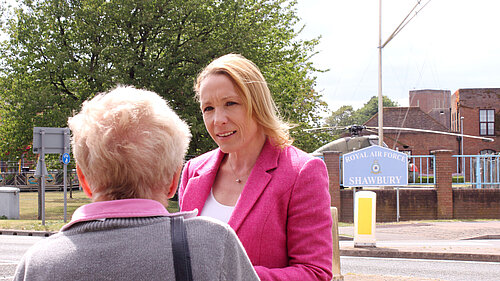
{"points": [[225, 115]]}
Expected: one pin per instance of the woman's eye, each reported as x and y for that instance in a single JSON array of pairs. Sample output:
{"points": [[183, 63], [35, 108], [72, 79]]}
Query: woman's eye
{"points": [[229, 103], [208, 108]]}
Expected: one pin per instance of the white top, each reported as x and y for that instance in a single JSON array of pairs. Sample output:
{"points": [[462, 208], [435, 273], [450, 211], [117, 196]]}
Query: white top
{"points": [[216, 210]]}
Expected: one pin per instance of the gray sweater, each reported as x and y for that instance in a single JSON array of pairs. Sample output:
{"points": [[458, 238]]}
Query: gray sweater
{"points": [[135, 249]]}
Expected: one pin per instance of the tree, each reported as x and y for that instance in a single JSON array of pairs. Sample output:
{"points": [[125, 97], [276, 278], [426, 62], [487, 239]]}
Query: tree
{"points": [[60, 53], [344, 116], [371, 108], [347, 116]]}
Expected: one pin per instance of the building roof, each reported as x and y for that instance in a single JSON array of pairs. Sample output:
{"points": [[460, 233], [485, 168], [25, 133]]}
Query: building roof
{"points": [[407, 117]]}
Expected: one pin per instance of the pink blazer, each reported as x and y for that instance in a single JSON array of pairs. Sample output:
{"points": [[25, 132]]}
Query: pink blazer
{"points": [[283, 215]]}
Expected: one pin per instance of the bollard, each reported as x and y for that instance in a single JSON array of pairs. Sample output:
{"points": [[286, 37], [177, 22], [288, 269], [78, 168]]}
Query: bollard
{"points": [[336, 249], [364, 219]]}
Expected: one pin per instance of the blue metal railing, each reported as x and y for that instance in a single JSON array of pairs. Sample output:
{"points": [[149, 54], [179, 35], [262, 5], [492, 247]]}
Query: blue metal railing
{"points": [[421, 169], [423, 172], [478, 171]]}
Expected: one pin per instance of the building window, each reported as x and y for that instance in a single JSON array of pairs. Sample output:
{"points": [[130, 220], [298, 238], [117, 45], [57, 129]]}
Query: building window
{"points": [[487, 151], [487, 122]]}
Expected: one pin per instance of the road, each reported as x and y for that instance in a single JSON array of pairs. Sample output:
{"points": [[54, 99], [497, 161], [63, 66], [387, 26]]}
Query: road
{"points": [[433, 269], [12, 248]]}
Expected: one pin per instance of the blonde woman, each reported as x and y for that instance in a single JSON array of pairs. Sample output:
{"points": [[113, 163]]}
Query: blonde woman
{"points": [[272, 194]]}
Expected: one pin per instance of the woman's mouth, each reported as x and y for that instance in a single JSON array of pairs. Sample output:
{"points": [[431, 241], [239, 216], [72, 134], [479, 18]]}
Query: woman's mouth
{"points": [[226, 134]]}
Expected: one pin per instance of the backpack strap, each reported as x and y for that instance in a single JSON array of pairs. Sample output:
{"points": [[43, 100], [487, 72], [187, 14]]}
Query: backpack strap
{"points": [[180, 250]]}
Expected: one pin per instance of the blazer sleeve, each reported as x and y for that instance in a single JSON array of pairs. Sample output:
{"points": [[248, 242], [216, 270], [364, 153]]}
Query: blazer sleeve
{"points": [[185, 176], [309, 228]]}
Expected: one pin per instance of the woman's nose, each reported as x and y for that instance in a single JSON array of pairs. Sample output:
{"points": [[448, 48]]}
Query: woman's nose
{"points": [[220, 117]]}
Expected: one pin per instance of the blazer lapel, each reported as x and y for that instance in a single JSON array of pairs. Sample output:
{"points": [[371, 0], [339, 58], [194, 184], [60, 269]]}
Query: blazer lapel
{"points": [[256, 184], [199, 186]]}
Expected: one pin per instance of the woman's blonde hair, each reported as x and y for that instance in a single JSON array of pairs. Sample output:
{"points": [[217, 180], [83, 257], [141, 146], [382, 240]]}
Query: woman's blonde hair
{"points": [[128, 143], [253, 89]]}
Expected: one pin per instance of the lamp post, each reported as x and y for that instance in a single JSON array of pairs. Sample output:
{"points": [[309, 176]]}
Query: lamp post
{"points": [[405, 21], [380, 97]]}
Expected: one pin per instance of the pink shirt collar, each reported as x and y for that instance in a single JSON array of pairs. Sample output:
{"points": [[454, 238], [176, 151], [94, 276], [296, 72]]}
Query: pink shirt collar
{"points": [[125, 208]]}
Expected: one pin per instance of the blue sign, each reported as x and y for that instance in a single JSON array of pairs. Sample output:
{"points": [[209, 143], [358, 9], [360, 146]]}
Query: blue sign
{"points": [[375, 166], [65, 158]]}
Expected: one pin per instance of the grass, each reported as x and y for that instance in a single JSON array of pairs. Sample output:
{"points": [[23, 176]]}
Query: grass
{"points": [[54, 210], [430, 179], [54, 204]]}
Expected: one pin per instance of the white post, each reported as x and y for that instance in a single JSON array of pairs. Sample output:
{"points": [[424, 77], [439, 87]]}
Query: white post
{"points": [[365, 219], [462, 145], [397, 203]]}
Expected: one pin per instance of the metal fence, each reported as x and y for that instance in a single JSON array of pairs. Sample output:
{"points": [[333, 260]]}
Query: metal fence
{"points": [[421, 170], [22, 175], [473, 171], [477, 171]]}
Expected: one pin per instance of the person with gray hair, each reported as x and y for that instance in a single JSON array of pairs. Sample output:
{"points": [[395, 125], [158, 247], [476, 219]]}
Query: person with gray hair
{"points": [[129, 147]]}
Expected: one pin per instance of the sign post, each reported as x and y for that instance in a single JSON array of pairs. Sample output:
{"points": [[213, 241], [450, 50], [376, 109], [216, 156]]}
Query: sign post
{"points": [[65, 160], [49, 141], [373, 166]]}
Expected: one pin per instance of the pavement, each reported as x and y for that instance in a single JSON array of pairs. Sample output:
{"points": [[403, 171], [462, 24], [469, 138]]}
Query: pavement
{"points": [[441, 240], [446, 240]]}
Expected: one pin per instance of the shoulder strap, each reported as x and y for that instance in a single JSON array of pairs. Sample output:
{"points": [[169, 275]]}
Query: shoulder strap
{"points": [[180, 250]]}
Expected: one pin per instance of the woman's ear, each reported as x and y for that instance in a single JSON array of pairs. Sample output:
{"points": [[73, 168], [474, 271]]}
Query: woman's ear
{"points": [[173, 186], [83, 182]]}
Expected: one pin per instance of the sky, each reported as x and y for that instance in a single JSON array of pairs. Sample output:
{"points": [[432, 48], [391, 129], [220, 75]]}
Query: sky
{"points": [[448, 45]]}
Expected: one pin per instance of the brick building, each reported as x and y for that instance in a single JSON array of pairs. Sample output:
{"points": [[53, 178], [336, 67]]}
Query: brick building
{"points": [[478, 110], [477, 113], [436, 103], [414, 142]]}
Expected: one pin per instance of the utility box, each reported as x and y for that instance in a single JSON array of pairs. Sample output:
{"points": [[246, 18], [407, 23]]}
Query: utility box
{"points": [[365, 219], [9, 202]]}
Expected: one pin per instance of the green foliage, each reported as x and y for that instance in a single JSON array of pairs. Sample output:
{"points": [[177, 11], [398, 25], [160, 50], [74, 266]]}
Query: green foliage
{"points": [[371, 108], [458, 179], [425, 179], [60, 53], [430, 179], [347, 116]]}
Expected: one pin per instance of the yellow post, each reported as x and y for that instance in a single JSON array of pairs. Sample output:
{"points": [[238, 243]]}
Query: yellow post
{"points": [[337, 275]]}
